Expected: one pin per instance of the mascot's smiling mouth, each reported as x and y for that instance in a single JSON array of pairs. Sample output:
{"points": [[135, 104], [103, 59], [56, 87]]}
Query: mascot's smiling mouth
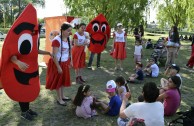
{"points": [[24, 78], [97, 42]]}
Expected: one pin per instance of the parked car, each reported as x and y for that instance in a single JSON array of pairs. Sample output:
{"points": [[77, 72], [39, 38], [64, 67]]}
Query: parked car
{"points": [[2, 36], [42, 33]]}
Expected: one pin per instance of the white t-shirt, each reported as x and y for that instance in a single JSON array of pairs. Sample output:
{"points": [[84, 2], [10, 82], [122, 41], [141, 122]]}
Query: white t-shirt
{"points": [[80, 38], [152, 113], [178, 75], [155, 70], [120, 37], [65, 49], [138, 50]]}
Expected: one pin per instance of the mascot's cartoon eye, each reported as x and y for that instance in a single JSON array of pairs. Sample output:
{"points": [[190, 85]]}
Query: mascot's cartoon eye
{"points": [[25, 44], [95, 27], [103, 28]]}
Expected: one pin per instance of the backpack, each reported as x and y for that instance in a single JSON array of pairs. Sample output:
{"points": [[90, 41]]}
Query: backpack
{"points": [[137, 122], [185, 118]]}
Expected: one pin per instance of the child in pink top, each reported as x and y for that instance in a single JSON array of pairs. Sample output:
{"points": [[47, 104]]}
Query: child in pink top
{"points": [[171, 96], [84, 102]]}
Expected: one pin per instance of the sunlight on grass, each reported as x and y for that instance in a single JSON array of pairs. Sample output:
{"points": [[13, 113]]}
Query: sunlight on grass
{"points": [[50, 113]]}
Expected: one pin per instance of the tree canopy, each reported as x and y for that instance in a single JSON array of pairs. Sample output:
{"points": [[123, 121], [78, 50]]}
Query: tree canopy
{"points": [[128, 12], [175, 12], [10, 9]]}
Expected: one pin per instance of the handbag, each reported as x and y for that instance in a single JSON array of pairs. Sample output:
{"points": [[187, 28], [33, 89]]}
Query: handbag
{"points": [[185, 118]]}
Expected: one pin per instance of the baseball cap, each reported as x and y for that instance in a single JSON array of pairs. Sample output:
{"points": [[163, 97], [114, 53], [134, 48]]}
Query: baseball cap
{"points": [[119, 24], [111, 86], [174, 66]]}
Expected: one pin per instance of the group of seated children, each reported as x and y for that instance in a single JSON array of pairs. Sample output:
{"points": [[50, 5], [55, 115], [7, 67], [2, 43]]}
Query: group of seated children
{"points": [[154, 102]]}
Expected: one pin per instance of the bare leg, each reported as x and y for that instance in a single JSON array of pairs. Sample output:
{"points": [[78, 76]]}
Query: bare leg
{"points": [[103, 105], [59, 96], [116, 64]]}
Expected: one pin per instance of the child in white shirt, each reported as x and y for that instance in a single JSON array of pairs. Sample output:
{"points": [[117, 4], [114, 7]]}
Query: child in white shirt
{"points": [[138, 51]]}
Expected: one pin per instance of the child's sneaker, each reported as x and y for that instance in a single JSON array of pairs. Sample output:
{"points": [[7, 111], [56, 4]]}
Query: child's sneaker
{"points": [[26, 116], [33, 113]]}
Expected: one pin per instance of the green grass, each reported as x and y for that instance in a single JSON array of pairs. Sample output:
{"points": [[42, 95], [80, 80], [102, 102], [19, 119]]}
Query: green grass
{"points": [[51, 114]]}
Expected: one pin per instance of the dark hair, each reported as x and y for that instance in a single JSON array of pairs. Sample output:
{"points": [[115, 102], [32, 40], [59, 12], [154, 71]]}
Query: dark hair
{"points": [[136, 31], [138, 40], [139, 64], [79, 25], [80, 94], [150, 92], [175, 34], [122, 81], [65, 26], [177, 81]]}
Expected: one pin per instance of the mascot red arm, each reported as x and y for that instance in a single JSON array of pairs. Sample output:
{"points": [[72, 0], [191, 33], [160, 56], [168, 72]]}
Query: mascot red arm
{"points": [[99, 31], [21, 41]]}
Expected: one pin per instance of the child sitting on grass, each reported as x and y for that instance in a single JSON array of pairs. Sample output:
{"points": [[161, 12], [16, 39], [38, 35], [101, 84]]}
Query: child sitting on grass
{"points": [[171, 96], [122, 87], [138, 76], [84, 102], [113, 107], [152, 69]]}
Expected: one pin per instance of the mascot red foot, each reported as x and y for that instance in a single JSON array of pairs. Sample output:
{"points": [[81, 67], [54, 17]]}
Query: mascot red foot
{"points": [[21, 41], [99, 31]]}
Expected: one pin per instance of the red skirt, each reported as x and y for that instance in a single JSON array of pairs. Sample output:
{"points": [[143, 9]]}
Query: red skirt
{"points": [[78, 57], [54, 80], [119, 51]]}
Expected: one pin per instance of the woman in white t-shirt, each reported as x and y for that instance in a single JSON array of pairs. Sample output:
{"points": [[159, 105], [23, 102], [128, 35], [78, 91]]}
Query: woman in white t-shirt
{"points": [[150, 111], [58, 74], [119, 46], [78, 52]]}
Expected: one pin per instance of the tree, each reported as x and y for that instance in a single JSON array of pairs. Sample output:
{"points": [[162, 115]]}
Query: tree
{"points": [[175, 12], [172, 13], [12, 9], [129, 12]]}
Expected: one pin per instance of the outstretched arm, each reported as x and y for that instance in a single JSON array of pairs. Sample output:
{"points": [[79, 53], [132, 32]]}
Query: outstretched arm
{"points": [[23, 66]]}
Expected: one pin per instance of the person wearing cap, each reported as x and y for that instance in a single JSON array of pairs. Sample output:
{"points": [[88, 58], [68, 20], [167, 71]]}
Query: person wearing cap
{"points": [[150, 110], [119, 46], [173, 70], [58, 74], [113, 107], [152, 69], [171, 96]]}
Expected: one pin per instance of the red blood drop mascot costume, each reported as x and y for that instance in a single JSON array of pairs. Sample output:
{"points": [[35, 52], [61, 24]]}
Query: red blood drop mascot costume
{"points": [[21, 41], [99, 31]]}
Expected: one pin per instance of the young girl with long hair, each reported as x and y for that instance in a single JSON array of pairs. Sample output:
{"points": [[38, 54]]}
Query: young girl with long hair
{"points": [[58, 74], [173, 46], [84, 102], [78, 52], [122, 87]]}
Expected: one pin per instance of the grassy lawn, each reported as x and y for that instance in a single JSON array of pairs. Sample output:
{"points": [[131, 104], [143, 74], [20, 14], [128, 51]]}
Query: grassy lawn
{"points": [[51, 114]]}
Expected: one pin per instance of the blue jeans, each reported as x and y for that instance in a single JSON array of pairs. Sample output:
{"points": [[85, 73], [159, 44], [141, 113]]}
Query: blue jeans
{"points": [[92, 57]]}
